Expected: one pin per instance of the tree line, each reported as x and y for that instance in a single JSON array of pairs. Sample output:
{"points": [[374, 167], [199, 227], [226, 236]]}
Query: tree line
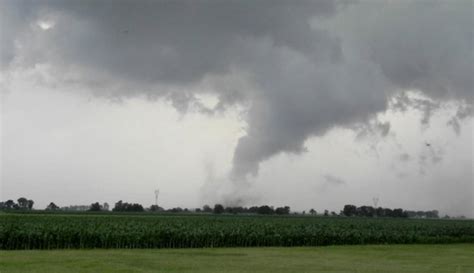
{"points": [[217, 209], [120, 206], [22, 203], [369, 211]]}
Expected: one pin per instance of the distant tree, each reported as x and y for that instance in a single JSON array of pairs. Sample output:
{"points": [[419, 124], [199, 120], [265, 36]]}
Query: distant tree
{"points": [[265, 210], [420, 214], [238, 210], [22, 203], [387, 212], [197, 210], [365, 211], [95, 207], [218, 208], [349, 210], [206, 208], [9, 204], [326, 212], [176, 210], [105, 206], [432, 214], [253, 209], [333, 213], [76, 208], [312, 211], [127, 207], [30, 204], [379, 212], [136, 207], [282, 210], [156, 208], [398, 213], [118, 206], [52, 206]]}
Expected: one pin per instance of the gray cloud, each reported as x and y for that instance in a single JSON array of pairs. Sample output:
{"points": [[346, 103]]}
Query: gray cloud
{"points": [[426, 106], [426, 46], [404, 157], [307, 66], [372, 128], [430, 154], [159, 41], [333, 180], [463, 112], [330, 182]]}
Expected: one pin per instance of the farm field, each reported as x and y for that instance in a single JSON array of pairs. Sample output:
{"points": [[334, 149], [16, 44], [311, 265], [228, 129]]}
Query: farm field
{"points": [[85, 231], [448, 258]]}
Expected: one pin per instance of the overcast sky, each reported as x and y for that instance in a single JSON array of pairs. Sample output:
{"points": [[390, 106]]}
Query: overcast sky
{"points": [[311, 104]]}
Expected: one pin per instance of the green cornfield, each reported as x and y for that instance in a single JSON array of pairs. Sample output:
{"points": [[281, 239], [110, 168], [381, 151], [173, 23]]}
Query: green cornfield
{"points": [[79, 231]]}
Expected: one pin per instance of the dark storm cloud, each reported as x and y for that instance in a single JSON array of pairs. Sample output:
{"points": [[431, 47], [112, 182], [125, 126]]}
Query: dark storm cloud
{"points": [[309, 65], [427, 45], [164, 41]]}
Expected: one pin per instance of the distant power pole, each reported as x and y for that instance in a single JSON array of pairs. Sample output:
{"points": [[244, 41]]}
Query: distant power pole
{"points": [[157, 192]]}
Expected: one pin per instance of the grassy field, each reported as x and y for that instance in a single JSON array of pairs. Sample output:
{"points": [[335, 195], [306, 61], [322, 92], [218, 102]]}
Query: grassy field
{"points": [[455, 258]]}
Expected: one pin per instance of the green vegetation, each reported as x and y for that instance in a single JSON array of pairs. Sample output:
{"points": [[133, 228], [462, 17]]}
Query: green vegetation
{"points": [[340, 259], [58, 231]]}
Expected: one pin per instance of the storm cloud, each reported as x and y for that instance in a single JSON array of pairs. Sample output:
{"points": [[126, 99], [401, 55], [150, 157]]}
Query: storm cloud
{"points": [[298, 68]]}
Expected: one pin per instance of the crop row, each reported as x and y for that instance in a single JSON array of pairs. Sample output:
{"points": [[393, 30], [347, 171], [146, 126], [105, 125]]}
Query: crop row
{"points": [[109, 231]]}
